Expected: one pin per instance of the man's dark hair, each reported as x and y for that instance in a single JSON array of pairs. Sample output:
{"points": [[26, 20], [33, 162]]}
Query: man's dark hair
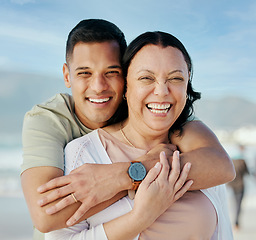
{"points": [[94, 30]]}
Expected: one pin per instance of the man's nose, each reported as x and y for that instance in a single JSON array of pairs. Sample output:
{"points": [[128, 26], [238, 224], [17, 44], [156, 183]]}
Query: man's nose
{"points": [[98, 83]]}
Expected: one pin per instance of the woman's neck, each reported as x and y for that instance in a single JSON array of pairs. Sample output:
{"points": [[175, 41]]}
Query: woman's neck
{"points": [[141, 136]]}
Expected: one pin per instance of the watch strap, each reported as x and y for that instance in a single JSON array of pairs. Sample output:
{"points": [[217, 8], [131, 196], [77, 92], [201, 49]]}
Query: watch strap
{"points": [[135, 185], [131, 194]]}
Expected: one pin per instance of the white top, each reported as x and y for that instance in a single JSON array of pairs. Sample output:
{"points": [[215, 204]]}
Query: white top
{"points": [[89, 149]]}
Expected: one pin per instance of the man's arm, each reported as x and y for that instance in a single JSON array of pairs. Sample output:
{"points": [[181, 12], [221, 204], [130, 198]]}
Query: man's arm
{"points": [[211, 164], [32, 178], [44, 137]]}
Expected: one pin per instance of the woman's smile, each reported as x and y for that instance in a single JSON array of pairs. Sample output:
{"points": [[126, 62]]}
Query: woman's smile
{"points": [[159, 108]]}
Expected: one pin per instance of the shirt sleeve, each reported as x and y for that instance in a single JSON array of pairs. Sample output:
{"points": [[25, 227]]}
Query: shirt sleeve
{"points": [[80, 231], [43, 137]]}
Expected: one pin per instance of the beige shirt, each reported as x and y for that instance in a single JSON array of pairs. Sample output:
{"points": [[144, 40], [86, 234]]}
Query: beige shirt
{"points": [[47, 128]]}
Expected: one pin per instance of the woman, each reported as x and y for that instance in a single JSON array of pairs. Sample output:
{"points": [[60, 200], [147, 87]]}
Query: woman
{"points": [[159, 94]]}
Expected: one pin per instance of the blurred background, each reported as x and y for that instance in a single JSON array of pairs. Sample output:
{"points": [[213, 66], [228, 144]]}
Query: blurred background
{"points": [[219, 35]]}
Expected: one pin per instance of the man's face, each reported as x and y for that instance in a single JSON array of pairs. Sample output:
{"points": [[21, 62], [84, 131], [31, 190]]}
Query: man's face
{"points": [[95, 76]]}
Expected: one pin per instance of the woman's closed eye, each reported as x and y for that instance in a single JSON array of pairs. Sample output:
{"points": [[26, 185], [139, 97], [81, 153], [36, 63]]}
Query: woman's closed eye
{"points": [[175, 79], [146, 79]]}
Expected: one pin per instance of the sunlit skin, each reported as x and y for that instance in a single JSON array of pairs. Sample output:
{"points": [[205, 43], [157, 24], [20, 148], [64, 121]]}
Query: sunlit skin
{"points": [[95, 76], [156, 92]]}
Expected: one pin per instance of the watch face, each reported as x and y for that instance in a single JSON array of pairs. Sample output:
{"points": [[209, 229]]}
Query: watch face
{"points": [[137, 171]]}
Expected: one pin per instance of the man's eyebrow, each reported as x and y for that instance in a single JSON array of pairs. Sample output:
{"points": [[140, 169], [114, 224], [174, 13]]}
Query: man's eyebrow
{"points": [[114, 66], [82, 68], [109, 67]]}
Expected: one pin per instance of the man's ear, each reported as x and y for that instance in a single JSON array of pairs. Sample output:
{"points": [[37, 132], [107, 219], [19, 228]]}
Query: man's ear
{"points": [[65, 71]]}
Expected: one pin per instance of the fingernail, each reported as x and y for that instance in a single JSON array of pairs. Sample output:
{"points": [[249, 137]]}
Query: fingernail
{"points": [[50, 210], [39, 189], [189, 165], [157, 165], [178, 153], [40, 202], [191, 182], [70, 222], [163, 152]]}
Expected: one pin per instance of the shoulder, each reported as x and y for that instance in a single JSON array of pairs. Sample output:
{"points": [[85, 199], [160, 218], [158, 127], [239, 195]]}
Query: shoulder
{"points": [[58, 104], [51, 118], [56, 109], [195, 135]]}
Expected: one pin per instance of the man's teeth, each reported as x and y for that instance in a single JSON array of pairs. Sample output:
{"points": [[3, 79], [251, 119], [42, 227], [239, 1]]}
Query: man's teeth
{"points": [[158, 108], [100, 100]]}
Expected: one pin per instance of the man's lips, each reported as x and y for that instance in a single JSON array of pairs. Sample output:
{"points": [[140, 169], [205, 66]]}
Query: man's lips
{"points": [[99, 100], [159, 108]]}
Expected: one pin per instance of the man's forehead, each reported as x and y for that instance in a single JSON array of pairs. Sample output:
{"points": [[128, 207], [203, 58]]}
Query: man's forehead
{"points": [[107, 51]]}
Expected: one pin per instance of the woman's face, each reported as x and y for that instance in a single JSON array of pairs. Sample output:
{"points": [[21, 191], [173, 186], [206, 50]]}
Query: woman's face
{"points": [[156, 87]]}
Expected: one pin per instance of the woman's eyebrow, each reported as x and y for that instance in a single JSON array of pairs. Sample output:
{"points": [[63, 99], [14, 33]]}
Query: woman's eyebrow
{"points": [[175, 71], [145, 70]]}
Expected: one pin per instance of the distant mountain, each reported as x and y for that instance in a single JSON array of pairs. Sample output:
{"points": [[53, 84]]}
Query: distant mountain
{"points": [[19, 92], [227, 113]]}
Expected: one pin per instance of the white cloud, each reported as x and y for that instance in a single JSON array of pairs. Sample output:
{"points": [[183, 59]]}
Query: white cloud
{"points": [[30, 34]]}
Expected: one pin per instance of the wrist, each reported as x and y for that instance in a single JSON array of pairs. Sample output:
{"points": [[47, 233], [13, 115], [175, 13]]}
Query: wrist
{"points": [[141, 219], [150, 163], [123, 178]]}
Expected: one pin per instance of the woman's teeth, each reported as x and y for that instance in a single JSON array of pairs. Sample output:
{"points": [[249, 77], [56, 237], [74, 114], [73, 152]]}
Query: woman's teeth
{"points": [[158, 108]]}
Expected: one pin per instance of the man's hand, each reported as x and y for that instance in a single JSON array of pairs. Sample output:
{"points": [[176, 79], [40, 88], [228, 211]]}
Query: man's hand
{"points": [[153, 155], [91, 184]]}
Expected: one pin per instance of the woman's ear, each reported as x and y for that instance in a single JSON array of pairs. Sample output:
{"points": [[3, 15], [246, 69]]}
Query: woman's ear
{"points": [[65, 71]]}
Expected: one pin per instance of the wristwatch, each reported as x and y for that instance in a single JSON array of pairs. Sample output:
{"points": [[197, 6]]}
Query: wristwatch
{"points": [[137, 173]]}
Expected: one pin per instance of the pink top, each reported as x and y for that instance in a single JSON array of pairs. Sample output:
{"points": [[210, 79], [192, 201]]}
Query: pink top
{"points": [[191, 217]]}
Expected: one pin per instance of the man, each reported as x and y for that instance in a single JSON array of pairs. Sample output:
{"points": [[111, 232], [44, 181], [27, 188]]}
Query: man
{"points": [[93, 71]]}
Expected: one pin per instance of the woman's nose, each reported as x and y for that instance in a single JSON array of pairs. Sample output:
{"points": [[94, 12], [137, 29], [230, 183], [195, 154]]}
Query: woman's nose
{"points": [[161, 88]]}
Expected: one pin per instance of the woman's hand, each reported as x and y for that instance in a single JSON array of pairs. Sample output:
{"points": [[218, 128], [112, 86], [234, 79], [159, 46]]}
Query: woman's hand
{"points": [[160, 189]]}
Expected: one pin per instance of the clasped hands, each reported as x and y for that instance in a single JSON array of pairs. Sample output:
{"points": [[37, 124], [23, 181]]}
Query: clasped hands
{"points": [[92, 184]]}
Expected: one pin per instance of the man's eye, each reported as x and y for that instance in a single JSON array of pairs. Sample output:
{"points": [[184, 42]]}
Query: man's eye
{"points": [[112, 73], [84, 74]]}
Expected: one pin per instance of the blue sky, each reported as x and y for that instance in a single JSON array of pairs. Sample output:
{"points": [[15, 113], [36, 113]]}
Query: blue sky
{"points": [[219, 35]]}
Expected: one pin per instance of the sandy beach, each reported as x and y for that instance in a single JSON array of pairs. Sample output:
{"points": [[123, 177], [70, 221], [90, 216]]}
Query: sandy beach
{"points": [[247, 230]]}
